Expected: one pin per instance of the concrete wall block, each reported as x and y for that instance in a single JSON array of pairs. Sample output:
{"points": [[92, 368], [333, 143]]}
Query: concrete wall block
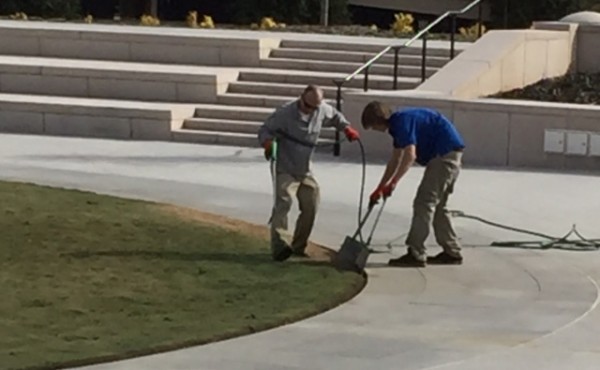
{"points": [[83, 49], [588, 49], [149, 129], [196, 93], [526, 147], [45, 85], [513, 69], [559, 57], [452, 79], [248, 57], [21, 122], [485, 134], [491, 81], [19, 45], [178, 54], [132, 89], [87, 126], [536, 56]]}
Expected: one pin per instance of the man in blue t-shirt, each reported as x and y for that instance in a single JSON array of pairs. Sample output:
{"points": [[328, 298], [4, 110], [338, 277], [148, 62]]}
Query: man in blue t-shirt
{"points": [[427, 137]]}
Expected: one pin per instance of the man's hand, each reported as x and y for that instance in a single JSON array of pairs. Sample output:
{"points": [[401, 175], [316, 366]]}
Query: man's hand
{"points": [[374, 198], [268, 146], [351, 133], [389, 189]]}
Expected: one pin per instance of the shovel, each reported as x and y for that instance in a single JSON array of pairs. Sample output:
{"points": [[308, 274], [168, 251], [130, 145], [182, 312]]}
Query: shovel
{"points": [[354, 252]]}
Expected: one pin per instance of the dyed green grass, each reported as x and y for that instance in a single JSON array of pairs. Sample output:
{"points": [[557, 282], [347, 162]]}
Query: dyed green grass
{"points": [[87, 277]]}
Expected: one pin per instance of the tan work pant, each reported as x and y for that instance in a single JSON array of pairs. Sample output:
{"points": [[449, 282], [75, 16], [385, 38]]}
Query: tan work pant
{"points": [[307, 192], [436, 186]]}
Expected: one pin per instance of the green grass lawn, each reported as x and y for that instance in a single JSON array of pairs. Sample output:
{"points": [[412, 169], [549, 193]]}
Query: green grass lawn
{"points": [[88, 277]]}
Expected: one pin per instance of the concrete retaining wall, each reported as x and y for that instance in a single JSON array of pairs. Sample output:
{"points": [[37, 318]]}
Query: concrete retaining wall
{"points": [[497, 132], [131, 43], [113, 80], [588, 49], [90, 117], [505, 60]]}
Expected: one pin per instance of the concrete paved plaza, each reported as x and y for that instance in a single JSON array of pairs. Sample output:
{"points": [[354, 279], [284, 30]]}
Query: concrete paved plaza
{"points": [[503, 309]]}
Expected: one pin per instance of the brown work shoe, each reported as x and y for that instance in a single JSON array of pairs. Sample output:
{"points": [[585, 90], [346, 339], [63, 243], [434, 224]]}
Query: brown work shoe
{"points": [[408, 260], [444, 258]]}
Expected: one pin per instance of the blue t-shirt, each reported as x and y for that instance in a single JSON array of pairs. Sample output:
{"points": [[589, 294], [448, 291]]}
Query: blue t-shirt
{"points": [[431, 133]]}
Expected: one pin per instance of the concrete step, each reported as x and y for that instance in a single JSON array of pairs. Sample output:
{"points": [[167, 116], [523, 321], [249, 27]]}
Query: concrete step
{"points": [[215, 138], [281, 89], [229, 112], [369, 48], [254, 100], [235, 126], [228, 138], [355, 56], [326, 79], [344, 67]]}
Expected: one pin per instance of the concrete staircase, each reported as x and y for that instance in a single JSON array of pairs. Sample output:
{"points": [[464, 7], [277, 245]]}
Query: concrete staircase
{"points": [[285, 73]]}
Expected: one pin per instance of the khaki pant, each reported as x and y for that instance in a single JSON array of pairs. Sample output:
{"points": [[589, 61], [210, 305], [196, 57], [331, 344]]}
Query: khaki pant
{"points": [[306, 191], [436, 186]]}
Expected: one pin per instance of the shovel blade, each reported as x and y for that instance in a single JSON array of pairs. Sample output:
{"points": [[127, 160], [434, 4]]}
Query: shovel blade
{"points": [[352, 256]]}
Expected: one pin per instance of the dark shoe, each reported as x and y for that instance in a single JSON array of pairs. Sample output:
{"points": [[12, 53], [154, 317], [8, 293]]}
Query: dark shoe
{"points": [[408, 260], [445, 259], [283, 254]]}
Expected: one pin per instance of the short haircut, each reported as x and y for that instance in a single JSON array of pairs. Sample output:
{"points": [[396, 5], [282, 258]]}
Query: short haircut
{"points": [[313, 89], [375, 112]]}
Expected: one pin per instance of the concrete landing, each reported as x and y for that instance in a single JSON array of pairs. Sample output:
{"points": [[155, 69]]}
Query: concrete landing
{"points": [[504, 308]]}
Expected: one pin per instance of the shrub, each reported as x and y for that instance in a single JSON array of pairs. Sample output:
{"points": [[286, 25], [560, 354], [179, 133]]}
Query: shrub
{"points": [[289, 11], [403, 23], [42, 8]]}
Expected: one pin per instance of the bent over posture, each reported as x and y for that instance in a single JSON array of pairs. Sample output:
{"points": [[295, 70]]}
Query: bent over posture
{"points": [[296, 127], [427, 137]]}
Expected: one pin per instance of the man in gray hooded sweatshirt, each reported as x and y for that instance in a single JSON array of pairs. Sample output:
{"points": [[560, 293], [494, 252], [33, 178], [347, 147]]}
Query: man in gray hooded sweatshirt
{"points": [[296, 127]]}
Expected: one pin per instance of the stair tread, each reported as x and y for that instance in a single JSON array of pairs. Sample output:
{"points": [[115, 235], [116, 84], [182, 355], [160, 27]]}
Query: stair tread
{"points": [[353, 52], [234, 107], [261, 96], [324, 74], [227, 133], [336, 63], [281, 84], [223, 120], [208, 132], [232, 120]]}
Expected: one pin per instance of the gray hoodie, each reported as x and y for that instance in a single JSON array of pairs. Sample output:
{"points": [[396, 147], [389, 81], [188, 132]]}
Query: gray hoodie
{"points": [[294, 158]]}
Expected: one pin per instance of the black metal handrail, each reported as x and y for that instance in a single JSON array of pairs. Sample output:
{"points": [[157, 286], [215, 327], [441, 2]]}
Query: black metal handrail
{"points": [[421, 34]]}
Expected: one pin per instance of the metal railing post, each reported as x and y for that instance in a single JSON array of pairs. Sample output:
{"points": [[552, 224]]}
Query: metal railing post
{"points": [[396, 61], [338, 105], [366, 81], [452, 35], [424, 55], [506, 14], [480, 19]]}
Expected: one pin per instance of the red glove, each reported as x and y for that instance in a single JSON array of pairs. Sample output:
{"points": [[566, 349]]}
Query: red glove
{"points": [[268, 145], [389, 189], [351, 134], [374, 198]]}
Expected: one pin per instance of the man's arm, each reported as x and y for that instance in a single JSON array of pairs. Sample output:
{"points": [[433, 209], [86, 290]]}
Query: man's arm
{"points": [[267, 130], [335, 118], [400, 162]]}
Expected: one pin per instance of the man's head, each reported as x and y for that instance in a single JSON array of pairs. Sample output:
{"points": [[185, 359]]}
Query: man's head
{"points": [[311, 99], [375, 116]]}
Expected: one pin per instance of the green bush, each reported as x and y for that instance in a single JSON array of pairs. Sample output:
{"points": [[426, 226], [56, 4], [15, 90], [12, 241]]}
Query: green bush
{"points": [[523, 13], [42, 8], [288, 11]]}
